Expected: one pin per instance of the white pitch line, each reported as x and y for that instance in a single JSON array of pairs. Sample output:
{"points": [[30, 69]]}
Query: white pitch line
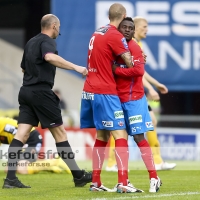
{"points": [[150, 196]]}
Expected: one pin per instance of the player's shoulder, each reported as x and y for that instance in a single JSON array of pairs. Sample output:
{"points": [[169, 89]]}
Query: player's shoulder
{"points": [[7, 120], [113, 30], [133, 44], [108, 30]]}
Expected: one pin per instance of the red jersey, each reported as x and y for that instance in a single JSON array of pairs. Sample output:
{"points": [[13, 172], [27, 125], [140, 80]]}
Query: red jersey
{"points": [[105, 45], [129, 80]]}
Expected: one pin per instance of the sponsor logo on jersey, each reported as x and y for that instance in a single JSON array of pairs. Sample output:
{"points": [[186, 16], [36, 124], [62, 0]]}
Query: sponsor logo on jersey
{"points": [[107, 123], [91, 69], [134, 129], [135, 119], [123, 66], [120, 123], [124, 43], [102, 30], [87, 95], [149, 125], [119, 114]]}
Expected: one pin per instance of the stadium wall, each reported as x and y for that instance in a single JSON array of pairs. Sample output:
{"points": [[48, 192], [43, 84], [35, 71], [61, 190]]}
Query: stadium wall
{"points": [[11, 79]]}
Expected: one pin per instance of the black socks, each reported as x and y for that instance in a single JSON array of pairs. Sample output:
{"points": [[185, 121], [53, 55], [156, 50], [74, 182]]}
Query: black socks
{"points": [[13, 157], [65, 152]]}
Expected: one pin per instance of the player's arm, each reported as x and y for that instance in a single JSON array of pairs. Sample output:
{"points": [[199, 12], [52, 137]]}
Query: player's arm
{"points": [[150, 79], [64, 64], [49, 54], [161, 87], [152, 94], [127, 59], [129, 72]]}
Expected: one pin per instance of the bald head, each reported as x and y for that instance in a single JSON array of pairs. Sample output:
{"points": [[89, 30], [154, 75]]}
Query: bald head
{"points": [[141, 27], [48, 20], [117, 12]]}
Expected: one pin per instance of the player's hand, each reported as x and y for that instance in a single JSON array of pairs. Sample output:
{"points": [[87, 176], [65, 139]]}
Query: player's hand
{"points": [[153, 95], [162, 88], [144, 56], [82, 70], [114, 67], [85, 71]]}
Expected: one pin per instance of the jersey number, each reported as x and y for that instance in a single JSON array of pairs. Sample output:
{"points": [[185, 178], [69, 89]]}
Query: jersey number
{"points": [[91, 43]]}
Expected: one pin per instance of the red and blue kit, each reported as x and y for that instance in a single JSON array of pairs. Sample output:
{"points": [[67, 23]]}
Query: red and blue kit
{"points": [[131, 92], [100, 104], [105, 45], [129, 80]]}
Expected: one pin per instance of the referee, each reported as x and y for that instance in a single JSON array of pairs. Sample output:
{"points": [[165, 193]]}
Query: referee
{"points": [[38, 103]]}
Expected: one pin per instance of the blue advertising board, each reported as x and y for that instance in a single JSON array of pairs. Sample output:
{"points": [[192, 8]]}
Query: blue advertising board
{"points": [[175, 144], [172, 44]]}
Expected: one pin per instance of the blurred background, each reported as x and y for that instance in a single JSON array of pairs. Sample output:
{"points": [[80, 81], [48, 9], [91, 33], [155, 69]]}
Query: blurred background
{"points": [[172, 46]]}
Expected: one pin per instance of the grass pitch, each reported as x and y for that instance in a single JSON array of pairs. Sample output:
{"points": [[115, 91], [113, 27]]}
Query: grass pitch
{"points": [[181, 183]]}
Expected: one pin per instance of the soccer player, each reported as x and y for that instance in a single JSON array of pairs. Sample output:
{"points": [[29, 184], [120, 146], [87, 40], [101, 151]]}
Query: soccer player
{"points": [[141, 28], [30, 150], [131, 93], [38, 103], [100, 105]]}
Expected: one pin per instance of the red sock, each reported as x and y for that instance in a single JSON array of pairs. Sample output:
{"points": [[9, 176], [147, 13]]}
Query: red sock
{"points": [[147, 158], [122, 154], [98, 155]]}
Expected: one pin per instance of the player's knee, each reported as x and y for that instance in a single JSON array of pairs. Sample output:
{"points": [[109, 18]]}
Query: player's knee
{"points": [[59, 133], [118, 134], [157, 144], [103, 135], [138, 138]]}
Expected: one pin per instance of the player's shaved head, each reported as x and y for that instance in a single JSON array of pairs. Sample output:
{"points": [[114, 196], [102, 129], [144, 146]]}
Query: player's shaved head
{"points": [[138, 19], [116, 11], [141, 27], [47, 20]]}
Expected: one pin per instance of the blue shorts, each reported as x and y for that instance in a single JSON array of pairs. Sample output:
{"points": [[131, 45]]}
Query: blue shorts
{"points": [[137, 116], [103, 112]]}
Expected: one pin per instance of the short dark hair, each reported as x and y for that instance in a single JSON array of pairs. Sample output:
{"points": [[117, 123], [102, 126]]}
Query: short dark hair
{"points": [[128, 19]]}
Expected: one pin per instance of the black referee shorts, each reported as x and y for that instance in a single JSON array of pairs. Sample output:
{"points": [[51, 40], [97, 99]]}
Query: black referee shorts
{"points": [[38, 103], [32, 147]]}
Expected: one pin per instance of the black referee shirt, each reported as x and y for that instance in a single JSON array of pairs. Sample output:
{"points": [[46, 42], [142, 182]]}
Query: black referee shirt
{"points": [[37, 70]]}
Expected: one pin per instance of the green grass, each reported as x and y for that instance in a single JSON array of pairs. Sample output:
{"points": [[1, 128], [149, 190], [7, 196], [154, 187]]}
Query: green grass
{"points": [[180, 183]]}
